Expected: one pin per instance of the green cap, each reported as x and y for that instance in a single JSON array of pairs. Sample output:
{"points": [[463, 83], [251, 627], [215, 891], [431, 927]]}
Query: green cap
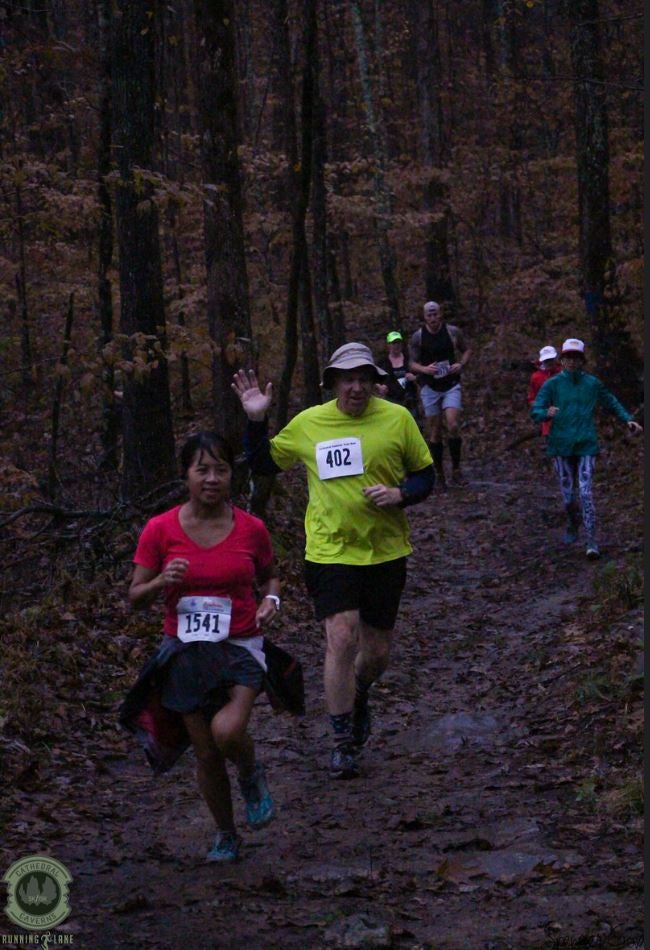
{"points": [[393, 336]]}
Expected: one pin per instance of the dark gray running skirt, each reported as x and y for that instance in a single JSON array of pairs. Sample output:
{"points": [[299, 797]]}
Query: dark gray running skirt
{"points": [[199, 675]]}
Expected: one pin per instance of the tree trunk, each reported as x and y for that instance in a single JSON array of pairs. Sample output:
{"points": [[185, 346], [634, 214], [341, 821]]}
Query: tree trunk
{"points": [[337, 309], [244, 64], [349, 283], [326, 330], [434, 151], [148, 438], [299, 170], [110, 422], [26, 356], [380, 189], [338, 80], [227, 281], [311, 368], [285, 120], [52, 475], [502, 63], [186, 389], [616, 357], [172, 55], [282, 86]]}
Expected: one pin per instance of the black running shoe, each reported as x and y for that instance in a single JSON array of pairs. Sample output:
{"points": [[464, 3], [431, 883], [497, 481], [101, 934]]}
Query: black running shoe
{"points": [[361, 722], [343, 764]]}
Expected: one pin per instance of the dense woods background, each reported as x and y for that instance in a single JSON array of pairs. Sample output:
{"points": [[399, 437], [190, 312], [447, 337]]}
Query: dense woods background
{"points": [[190, 186]]}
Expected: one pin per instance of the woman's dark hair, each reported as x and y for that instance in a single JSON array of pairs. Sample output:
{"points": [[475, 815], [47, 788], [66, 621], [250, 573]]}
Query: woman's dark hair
{"points": [[212, 443]]}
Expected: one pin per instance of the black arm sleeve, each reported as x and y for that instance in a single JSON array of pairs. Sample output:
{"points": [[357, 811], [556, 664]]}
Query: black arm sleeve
{"points": [[256, 448], [417, 486]]}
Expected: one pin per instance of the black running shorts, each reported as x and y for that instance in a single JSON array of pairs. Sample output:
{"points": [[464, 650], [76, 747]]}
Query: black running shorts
{"points": [[374, 590]]}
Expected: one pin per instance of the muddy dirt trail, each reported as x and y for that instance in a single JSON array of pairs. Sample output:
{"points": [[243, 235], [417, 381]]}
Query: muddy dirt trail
{"points": [[479, 820]]}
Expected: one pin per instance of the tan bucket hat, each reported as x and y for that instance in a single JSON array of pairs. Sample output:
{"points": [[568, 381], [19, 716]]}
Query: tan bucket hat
{"points": [[350, 356]]}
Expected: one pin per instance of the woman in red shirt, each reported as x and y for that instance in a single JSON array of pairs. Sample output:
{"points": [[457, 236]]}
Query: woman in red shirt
{"points": [[546, 367], [205, 556]]}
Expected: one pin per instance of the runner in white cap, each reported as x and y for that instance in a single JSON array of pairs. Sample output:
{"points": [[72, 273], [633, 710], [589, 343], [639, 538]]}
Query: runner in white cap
{"points": [[366, 461], [546, 367], [569, 399]]}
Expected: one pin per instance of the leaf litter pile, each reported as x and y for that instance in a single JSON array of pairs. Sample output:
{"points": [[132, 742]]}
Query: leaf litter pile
{"points": [[501, 799]]}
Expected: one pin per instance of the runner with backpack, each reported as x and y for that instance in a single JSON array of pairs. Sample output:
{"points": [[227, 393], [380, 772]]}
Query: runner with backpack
{"points": [[437, 354]]}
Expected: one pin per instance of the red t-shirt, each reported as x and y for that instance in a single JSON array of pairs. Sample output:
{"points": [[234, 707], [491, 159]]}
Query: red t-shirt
{"points": [[535, 383], [227, 569]]}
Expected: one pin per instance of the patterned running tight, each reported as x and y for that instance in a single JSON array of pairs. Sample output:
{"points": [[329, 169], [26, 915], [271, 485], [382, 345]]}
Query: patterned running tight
{"points": [[575, 474]]}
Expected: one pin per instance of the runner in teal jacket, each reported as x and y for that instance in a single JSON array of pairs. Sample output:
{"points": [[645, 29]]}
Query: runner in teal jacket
{"points": [[576, 395], [570, 399]]}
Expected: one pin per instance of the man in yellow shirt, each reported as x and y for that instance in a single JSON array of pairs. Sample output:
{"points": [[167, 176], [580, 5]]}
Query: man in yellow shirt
{"points": [[366, 461]]}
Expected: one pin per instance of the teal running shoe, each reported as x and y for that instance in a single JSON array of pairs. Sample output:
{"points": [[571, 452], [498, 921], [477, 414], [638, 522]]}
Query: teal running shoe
{"points": [[260, 809], [224, 849]]}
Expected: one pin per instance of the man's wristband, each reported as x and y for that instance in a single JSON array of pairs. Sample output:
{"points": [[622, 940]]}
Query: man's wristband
{"points": [[274, 597]]}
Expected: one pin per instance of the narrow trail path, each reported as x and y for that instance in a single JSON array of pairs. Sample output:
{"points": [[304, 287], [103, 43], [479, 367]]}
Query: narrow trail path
{"points": [[470, 827]]}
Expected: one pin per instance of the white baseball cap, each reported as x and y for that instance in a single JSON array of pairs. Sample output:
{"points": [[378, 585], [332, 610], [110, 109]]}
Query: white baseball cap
{"points": [[547, 353], [573, 346]]}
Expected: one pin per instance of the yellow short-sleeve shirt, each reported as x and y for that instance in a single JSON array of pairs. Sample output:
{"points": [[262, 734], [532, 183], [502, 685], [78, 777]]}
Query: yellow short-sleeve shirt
{"points": [[344, 454]]}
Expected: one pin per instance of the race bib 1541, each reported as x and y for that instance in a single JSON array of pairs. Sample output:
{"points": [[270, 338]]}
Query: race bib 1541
{"points": [[203, 618]]}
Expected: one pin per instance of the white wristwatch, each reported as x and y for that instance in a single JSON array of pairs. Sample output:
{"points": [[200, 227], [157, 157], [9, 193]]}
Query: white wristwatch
{"points": [[276, 600]]}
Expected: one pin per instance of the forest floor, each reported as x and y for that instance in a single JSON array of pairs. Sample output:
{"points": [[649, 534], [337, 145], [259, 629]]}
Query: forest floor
{"points": [[501, 795]]}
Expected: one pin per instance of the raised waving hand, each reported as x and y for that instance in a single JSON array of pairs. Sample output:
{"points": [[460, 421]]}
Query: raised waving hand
{"points": [[255, 403]]}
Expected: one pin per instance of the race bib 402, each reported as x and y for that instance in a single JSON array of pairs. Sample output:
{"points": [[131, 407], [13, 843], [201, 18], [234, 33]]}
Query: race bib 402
{"points": [[338, 458]]}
